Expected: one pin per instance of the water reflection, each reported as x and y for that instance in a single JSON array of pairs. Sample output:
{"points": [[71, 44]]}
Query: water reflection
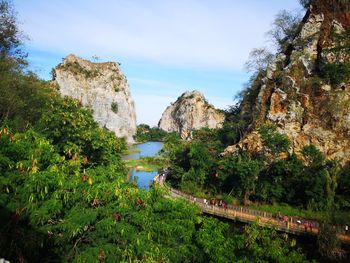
{"points": [[143, 179], [148, 149]]}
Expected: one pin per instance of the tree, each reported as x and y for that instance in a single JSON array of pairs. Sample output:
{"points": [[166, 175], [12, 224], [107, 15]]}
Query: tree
{"points": [[239, 174], [273, 140], [320, 179], [265, 245], [305, 3], [343, 189], [213, 238], [328, 243], [313, 156], [10, 36], [284, 29], [259, 59], [145, 133], [270, 185]]}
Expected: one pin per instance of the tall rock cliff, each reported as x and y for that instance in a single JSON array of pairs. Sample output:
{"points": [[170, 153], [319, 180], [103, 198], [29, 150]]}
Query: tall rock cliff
{"points": [[101, 87], [306, 90], [190, 111]]}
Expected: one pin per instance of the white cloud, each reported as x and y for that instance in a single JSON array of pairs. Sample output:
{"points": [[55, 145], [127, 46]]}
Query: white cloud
{"points": [[178, 45], [189, 33]]}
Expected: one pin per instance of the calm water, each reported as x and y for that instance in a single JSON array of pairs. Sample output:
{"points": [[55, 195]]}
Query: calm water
{"points": [[147, 149]]}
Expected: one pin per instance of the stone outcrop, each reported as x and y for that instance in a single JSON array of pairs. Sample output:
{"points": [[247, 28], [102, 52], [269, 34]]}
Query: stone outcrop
{"points": [[294, 96], [101, 87], [189, 112]]}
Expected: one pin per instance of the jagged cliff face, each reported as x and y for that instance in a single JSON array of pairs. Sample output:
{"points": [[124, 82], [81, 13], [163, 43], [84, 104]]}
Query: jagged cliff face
{"points": [[190, 111], [294, 97], [101, 87]]}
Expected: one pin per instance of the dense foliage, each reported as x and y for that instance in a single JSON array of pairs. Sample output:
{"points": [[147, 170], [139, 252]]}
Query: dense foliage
{"points": [[146, 133], [274, 176], [338, 71], [198, 167], [63, 195]]}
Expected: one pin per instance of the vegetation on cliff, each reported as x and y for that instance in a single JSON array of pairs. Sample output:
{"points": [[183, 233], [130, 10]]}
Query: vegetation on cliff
{"points": [[146, 133], [63, 195], [271, 167]]}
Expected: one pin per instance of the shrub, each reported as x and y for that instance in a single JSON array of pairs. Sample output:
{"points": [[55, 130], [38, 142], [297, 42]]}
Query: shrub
{"points": [[335, 73], [273, 140], [116, 88], [114, 107]]}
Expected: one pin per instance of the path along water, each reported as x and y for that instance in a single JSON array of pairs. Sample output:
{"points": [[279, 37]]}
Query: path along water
{"points": [[147, 149], [243, 214]]}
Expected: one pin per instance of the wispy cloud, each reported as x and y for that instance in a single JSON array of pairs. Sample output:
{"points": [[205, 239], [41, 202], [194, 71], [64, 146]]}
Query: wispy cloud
{"points": [[192, 33], [166, 46]]}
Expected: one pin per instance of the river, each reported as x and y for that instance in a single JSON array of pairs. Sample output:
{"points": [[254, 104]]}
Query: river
{"points": [[147, 149]]}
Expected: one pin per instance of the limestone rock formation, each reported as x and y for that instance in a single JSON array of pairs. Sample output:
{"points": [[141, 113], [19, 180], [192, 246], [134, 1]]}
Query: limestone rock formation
{"points": [[101, 87], [190, 111], [294, 95]]}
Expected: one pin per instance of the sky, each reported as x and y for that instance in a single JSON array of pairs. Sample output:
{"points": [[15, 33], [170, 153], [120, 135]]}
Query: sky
{"points": [[165, 47]]}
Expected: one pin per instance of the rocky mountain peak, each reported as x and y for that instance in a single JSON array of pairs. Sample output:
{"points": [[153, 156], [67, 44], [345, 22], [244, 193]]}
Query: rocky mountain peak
{"points": [[190, 94], [101, 87], [305, 91], [190, 111]]}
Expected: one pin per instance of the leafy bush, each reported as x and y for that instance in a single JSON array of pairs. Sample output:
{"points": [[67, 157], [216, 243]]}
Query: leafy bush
{"points": [[273, 140], [114, 107], [146, 133], [77, 69], [335, 73]]}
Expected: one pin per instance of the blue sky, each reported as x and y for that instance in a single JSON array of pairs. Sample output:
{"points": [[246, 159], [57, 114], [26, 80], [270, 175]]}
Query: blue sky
{"points": [[165, 47]]}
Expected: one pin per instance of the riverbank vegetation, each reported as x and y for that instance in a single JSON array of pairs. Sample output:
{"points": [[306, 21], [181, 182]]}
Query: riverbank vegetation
{"points": [[145, 133], [273, 179], [147, 164], [275, 176], [63, 195]]}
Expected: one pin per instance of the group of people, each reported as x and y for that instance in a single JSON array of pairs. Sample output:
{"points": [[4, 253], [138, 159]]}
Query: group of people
{"points": [[308, 225], [301, 223], [215, 202]]}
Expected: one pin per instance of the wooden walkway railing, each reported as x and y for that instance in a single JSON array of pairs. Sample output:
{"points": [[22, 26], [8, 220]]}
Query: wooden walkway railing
{"points": [[247, 215]]}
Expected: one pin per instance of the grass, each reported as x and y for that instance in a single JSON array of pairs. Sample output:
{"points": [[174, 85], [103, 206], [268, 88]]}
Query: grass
{"points": [[339, 217], [131, 150], [147, 164], [290, 211]]}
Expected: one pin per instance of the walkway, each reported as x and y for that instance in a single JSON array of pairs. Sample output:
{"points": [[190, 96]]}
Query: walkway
{"points": [[243, 214]]}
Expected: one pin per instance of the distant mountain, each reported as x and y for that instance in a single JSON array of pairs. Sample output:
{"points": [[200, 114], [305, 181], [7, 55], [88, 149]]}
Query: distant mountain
{"points": [[190, 111]]}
